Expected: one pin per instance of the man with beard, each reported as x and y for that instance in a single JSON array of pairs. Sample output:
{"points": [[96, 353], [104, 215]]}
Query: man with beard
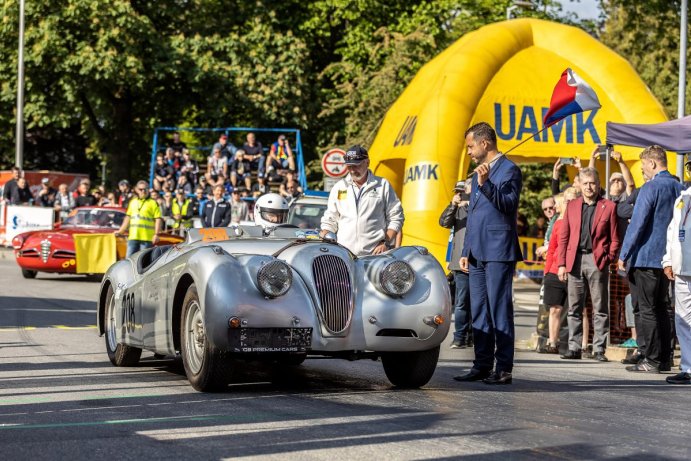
{"points": [[363, 209]]}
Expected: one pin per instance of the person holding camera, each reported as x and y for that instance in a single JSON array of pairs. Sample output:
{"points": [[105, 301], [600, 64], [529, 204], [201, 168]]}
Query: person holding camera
{"points": [[455, 217]]}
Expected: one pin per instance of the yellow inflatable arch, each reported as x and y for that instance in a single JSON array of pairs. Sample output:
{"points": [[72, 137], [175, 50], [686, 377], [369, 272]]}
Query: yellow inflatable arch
{"points": [[503, 74]]}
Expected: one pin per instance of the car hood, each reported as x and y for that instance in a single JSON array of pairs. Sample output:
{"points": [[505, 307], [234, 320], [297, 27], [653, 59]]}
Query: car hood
{"points": [[64, 234]]}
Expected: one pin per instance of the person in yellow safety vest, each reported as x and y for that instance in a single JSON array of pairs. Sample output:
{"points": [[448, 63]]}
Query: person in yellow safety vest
{"points": [[143, 221], [182, 210]]}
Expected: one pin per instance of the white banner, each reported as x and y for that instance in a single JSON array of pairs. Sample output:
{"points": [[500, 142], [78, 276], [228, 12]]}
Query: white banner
{"points": [[27, 218]]}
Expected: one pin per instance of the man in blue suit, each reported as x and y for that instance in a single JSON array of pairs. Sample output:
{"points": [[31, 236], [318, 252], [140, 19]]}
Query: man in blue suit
{"points": [[490, 253], [643, 250]]}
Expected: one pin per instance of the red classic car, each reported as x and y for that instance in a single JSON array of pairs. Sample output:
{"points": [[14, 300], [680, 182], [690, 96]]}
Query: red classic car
{"points": [[53, 250]]}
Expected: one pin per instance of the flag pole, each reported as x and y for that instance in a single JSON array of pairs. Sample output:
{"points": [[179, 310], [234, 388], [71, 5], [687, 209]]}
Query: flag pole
{"points": [[529, 138]]}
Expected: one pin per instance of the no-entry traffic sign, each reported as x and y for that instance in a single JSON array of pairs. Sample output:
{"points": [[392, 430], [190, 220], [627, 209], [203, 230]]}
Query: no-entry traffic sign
{"points": [[333, 163]]}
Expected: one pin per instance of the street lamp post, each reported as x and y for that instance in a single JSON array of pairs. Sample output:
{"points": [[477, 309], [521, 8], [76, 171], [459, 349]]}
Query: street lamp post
{"points": [[681, 102], [19, 159]]}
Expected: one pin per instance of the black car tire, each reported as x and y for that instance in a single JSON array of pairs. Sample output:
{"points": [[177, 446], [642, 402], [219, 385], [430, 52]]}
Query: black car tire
{"points": [[410, 370], [207, 369], [27, 274], [120, 355]]}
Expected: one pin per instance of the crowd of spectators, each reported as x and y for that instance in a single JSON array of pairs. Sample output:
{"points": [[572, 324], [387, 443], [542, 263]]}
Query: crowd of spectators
{"points": [[180, 185]]}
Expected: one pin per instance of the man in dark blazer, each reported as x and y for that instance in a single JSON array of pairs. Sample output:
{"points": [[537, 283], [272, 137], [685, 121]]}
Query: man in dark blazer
{"points": [[588, 244], [490, 253], [216, 211], [643, 250]]}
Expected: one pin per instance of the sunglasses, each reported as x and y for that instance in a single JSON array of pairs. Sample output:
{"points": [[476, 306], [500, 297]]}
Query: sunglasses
{"points": [[142, 189], [548, 208]]}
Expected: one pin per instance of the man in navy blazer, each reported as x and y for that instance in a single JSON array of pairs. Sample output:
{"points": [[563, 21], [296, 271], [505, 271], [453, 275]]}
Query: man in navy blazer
{"points": [[643, 250], [490, 253]]}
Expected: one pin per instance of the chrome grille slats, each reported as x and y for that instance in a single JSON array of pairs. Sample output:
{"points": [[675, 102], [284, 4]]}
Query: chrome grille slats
{"points": [[333, 286], [63, 254], [45, 250]]}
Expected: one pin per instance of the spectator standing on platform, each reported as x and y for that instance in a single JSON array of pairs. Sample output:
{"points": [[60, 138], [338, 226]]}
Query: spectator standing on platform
{"points": [[46, 196], [217, 170], [254, 152], [490, 253], [676, 265], [143, 220], [643, 250], [163, 173], [455, 217], [176, 144], [10, 188], [216, 211], [588, 244], [239, 210], [363, 209], [64, 201], [84, 197]]}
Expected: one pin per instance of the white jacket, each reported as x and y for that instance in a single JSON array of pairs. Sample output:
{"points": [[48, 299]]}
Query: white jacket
{"points": [[361, 224], [678, 254]]}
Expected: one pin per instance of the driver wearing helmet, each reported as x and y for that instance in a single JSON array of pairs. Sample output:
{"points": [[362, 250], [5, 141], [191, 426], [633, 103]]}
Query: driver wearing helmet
{"points": [[270, 210]]}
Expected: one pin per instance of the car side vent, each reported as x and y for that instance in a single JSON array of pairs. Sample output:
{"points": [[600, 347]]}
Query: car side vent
{"points": [[397, 332], [334, 289]]}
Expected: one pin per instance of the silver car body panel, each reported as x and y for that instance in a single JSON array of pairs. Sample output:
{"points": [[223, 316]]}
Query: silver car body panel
{"points": [[224, 272]]}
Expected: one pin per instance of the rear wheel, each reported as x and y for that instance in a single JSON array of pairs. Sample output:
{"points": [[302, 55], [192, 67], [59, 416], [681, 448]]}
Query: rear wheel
{"points": [[27, 274], [207, 368], [120, 355], [410, 369]]}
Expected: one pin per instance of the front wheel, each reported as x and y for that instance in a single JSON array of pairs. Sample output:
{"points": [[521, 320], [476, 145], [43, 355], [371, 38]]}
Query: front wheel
{"points": [[410, 369], [120, 355], [27, 274], [207, 368]]}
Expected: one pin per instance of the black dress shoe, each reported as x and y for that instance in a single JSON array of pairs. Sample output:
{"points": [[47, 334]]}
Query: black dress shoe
{"points": [[634, 359], [644, 366], [681, 378], [473, 375], [498, 377], [600, 357], [572, 355], [665, 366]]}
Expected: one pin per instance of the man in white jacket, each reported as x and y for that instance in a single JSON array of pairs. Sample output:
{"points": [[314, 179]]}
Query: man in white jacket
{"points": [[363, 209], [677, 267]]}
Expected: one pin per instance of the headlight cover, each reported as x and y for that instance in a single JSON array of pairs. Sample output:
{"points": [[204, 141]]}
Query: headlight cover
{"points": [[397, 278], [274, 279]]}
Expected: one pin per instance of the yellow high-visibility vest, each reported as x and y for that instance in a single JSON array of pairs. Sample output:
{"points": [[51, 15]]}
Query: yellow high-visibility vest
{"points": [[143, 215], [187, 223]]}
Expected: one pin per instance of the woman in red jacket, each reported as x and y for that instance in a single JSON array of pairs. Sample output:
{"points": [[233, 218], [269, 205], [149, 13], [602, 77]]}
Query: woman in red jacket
{"points": [[555, 289]]}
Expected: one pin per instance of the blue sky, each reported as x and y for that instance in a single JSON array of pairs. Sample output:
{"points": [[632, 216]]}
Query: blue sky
{"points": [[585, 9]]}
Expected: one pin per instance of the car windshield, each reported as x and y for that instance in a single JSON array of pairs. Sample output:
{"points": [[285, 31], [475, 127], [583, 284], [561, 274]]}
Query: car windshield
{"points": [[95, 217], [306, 215]]}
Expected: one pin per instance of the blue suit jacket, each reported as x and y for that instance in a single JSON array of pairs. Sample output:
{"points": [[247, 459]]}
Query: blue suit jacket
{"points": [[491, 233], [646, 236]]}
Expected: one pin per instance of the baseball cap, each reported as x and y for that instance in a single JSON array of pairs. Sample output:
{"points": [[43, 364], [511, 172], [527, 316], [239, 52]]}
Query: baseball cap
{"points": [[460, 185], [224, 136], [124, 182], [355, 155], [282, 137], [45, 180], [616, 175]]}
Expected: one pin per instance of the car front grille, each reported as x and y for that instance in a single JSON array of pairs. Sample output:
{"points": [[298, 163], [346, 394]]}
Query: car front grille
{"points": [[30, 253], [334, 290], [45, 250], [63, 254]]}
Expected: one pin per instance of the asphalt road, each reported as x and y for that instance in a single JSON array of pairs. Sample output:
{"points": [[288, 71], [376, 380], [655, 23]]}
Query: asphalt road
{"points": [[61, 399]]}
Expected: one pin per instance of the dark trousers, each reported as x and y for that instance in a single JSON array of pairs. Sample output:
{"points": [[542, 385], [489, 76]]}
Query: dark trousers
{"points": [[491, 307], [652, 293], [461, 313]]}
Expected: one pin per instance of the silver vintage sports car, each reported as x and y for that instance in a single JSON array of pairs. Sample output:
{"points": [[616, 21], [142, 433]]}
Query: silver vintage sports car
{"points": [[245, 293]]}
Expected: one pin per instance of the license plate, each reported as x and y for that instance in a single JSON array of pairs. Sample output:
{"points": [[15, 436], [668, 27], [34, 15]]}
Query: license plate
{"points": [[274, 339]]}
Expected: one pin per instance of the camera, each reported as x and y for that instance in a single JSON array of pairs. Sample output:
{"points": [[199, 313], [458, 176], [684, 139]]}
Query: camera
{"points": [[567, 161]]}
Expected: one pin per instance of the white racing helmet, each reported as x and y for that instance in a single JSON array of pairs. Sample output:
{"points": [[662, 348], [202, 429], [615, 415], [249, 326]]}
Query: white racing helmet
{"points": [[270, 210]]}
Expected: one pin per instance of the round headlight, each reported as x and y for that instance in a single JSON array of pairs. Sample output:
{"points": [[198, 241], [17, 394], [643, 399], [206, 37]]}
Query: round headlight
{"points": [[17, 242], [274, 279], [397, 278]]}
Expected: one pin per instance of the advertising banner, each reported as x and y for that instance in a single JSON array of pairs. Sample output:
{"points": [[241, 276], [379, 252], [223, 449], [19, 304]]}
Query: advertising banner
{"points": [[27, 218]]}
